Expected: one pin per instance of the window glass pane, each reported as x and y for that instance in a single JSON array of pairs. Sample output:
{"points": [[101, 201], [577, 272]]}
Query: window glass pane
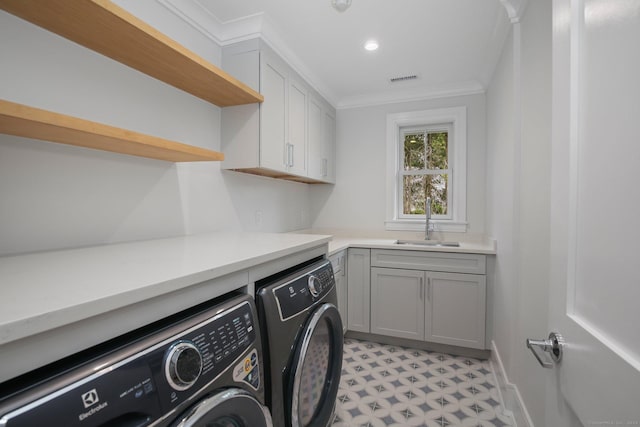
{"points": [[413, 194], [414, 151], [437, 188], [437, 150], [415, 188]]}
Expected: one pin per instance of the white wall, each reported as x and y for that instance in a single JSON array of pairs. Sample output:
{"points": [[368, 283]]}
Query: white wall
{"points": [[518, 199], [357, 201], [500, 196], [56, 196]]}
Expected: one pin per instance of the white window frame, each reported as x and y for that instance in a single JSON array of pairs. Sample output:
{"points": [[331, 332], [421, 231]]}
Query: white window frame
{"points": [[404, 131], [456, 118]]}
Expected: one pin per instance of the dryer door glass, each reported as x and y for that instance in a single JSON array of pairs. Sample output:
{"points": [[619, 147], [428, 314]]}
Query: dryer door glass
{"points": [[229, 408], [318, 365]]}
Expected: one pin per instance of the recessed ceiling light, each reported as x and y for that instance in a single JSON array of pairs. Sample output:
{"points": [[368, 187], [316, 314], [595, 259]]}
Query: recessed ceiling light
{"points": [[341, 5], [371, 45]]}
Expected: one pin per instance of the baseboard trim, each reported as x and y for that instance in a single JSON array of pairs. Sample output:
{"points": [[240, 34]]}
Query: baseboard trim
{"points": [[510, 397], [420, 345]]}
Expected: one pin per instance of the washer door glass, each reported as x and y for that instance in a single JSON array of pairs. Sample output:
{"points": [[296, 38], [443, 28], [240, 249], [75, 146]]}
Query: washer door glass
{"points": [[317, 369], [229, 408]]}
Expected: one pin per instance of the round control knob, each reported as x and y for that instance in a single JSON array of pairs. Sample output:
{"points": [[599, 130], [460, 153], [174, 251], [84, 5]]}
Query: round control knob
{"points": [[183, 365], [315, 286]]}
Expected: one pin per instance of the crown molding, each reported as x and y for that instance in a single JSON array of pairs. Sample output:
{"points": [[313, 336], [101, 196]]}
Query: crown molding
{"points": [[515, 9], [194, 13], [272, 37], [222, 33], [411, 95]]}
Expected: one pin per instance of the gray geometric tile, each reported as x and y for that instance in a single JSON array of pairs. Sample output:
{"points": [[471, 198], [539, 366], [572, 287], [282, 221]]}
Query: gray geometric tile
{"points": [[487, 385], [457, 395], [386, 385], [492, 402], [362, 393], [497, 422]]}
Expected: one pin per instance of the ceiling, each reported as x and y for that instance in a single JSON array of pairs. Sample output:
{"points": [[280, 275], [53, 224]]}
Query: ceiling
{"points": [[451, 45]]}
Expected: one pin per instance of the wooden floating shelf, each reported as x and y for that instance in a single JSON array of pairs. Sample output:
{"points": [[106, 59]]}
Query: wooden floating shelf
{"points": [[29, 122], [108, 29], [278, 175]]}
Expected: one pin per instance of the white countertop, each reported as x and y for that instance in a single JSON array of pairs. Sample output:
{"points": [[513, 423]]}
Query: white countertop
{"points": [[43, 291], [339, 243], [50, 301]]}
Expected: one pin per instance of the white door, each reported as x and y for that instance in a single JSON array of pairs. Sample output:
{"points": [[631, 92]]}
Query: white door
{"points": [[595, 231]]}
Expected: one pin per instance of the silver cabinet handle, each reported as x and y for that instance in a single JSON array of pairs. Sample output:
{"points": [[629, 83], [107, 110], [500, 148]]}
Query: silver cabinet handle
{"points": [[421, 289], [428, 288], [547, 351], [290, 154]]}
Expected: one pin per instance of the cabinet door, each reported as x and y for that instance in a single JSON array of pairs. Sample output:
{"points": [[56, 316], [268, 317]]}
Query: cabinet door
{"points": [[297, 148], [341, 288], [316, 139], [273, 114], [358, 291], [397, 302], [338, 262], [455, 309], [329, 149]]}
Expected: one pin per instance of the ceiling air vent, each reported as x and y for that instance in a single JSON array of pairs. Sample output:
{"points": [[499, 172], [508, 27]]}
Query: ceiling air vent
{"points": [[403, 78]]}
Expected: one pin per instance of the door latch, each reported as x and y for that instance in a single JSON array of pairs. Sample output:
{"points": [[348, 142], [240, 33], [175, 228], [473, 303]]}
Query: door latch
{"points": [[547, 351]]}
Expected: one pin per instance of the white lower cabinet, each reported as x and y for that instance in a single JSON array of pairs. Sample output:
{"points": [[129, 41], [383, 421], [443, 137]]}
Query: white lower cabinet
{"points": [[397, 303], [359, 289], [455, 309], [445, 303], [446, 308]]}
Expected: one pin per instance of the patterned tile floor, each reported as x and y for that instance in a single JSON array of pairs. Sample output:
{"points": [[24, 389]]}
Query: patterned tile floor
{"points": [[384, 385]]}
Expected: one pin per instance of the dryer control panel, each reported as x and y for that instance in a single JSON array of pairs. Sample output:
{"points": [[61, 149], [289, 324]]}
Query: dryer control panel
{"points": [[297, 295], [143, 382]]}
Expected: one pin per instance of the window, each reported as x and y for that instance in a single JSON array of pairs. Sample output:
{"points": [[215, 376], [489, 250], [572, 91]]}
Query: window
{"points": [[424, 171], [426, 157]]}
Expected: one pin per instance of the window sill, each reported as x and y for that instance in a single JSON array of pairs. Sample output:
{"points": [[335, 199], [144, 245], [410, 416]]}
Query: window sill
{"points": [[418, 225]]}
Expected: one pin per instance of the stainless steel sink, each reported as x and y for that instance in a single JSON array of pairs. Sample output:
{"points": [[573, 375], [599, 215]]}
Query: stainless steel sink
{"points": [[428, 243]]}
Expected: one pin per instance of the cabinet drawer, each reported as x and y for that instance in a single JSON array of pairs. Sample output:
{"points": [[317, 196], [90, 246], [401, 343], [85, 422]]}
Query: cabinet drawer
{"points": [[431, 261]]}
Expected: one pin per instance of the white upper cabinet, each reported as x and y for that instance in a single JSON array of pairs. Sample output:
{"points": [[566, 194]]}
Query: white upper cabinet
{"points": [[288, 135], [322, 140], [273, 117], [329, 147], [315, 138], [297, 141]]}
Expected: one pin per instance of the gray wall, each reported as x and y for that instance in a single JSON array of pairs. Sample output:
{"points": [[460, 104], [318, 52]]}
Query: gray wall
{"points": [[357, 201], [518, 201], [56, 196]]}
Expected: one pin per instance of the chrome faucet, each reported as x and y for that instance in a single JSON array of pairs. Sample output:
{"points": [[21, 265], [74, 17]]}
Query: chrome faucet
{"points": [[427, 214]]}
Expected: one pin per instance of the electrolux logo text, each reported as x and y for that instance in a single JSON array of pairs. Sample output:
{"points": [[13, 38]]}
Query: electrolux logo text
{"points": [[90, 399]]}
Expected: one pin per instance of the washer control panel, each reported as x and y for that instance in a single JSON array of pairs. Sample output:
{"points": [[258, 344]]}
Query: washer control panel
{"points": [[248, 370], [202, 353], [299, 294], [183, 365], [145, 380]]}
